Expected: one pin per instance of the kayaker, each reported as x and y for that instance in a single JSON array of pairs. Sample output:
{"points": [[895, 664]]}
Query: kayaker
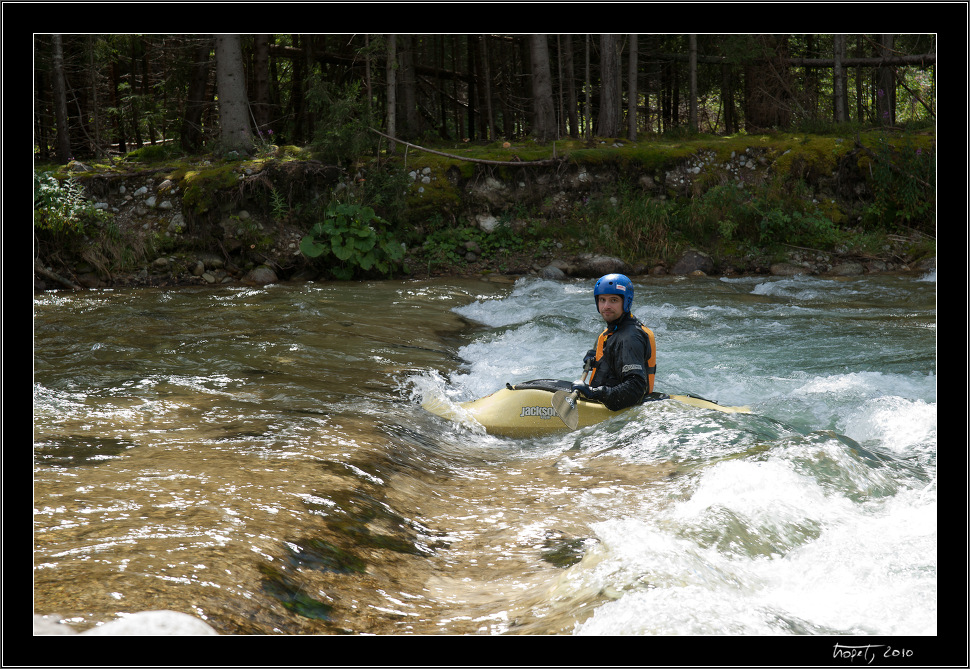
{"points": [[624, 360]]}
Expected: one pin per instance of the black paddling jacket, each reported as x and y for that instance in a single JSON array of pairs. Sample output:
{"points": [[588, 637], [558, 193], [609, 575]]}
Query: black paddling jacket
{"points": [[626, 363]]}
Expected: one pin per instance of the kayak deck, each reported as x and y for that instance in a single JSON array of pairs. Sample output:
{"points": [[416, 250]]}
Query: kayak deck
{"points": [[525, 409]]}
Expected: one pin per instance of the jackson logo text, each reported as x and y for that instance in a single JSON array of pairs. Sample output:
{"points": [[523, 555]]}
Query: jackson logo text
{"points": [[540, 411]]}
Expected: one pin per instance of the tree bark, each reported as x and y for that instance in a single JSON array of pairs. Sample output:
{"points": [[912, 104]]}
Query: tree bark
{"points": [[407, 82], [886, 93], [195, 102], [234, 128], [64, 153], [471, 63], [487, 90], [767, 86], [587, 102], [260, 102], [572, 103], [632, 94], [838, 80], [692, 70], [609, 111], [544, 124], [392, 90]]}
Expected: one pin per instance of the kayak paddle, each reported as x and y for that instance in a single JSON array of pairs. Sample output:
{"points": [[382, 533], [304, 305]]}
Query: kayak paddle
{"points": [[565, 403]]}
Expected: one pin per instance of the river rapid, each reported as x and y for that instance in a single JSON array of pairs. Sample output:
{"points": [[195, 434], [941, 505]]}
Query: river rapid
{"points": [[259, 458]]}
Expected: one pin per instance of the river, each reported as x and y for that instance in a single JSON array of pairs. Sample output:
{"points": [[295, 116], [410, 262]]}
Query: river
{"points": [[259, 458]]}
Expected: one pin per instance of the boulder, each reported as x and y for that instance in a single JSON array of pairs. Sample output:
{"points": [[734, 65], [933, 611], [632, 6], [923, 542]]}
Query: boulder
{"points": [[847, 269], [787, 269], [260, 276], [692, 261], [552, 272], [595, 266]]}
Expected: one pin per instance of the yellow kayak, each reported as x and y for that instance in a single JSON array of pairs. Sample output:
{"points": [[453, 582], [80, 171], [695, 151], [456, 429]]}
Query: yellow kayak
{"points": [[526, 409]]}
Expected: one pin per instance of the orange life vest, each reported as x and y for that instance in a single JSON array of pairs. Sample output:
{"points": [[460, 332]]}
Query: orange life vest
{"points": [[651, 362]]}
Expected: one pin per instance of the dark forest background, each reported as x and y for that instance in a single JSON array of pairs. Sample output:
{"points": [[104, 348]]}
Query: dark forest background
{"points": [[100, 94]]}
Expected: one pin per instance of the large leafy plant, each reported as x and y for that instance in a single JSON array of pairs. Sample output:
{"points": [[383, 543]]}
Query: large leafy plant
{"points": [[355, 237]]}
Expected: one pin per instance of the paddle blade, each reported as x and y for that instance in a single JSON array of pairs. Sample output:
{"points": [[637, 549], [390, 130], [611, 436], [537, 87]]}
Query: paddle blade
{"points": [[566, 409]]}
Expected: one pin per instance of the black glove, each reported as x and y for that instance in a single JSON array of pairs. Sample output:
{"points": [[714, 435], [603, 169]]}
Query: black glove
{"points": [[590, 357], [584, 390]]}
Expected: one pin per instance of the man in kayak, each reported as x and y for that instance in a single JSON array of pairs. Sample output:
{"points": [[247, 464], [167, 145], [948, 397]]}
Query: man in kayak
{"points": [[624, 361]]}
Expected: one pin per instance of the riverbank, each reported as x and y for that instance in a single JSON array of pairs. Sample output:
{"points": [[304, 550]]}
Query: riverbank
{"points": [[772, 205], [184, 269]]}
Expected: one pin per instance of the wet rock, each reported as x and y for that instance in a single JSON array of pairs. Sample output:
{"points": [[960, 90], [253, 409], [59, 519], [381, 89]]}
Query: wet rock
{"points": [[552, 272], [90, 280], [589, 265], [847, 269], [692, 261], [261, 276], [787, 269]]}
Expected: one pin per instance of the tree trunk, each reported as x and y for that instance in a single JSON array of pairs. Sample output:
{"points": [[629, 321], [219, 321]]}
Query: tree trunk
{"points": [[456, 106], [488, 130], [632, 94], [119, 121], [587, 101], [296, 103], [471, 59], [886, 93], [64, 153], [392, 90], [767, 86], [134, 43], [838, 80], [95, 104], [234, 128], [692, 73], [407, 81], [196, 100], [42, 135], [260, 102], [544, 124], [859, 87], [609, 110], [572, 103]]}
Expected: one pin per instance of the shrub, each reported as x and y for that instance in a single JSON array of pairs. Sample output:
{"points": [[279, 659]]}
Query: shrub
{"points": [[904, 186], [355, 236], [60, 207], [770, 213]]}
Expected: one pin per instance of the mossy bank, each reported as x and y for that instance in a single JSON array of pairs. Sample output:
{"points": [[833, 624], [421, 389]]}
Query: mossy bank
{"points": [[777, 202]]}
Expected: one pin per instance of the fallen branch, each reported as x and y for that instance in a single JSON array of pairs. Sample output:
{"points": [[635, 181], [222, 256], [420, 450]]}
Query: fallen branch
{"points": [[507, 163], [46, 273]]}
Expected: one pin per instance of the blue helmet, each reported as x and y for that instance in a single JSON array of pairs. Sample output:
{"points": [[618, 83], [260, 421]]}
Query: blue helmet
{"points": [[614, 284]]}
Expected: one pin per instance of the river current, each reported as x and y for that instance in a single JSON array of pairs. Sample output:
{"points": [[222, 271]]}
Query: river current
{"points": [[259, 458]]}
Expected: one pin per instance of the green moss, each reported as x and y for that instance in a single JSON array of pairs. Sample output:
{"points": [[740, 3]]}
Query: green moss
{"points": [[153, 152], [200, 187]]}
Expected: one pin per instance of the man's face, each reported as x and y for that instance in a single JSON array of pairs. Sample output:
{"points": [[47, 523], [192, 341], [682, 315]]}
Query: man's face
{"points": [[610, 307]]}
